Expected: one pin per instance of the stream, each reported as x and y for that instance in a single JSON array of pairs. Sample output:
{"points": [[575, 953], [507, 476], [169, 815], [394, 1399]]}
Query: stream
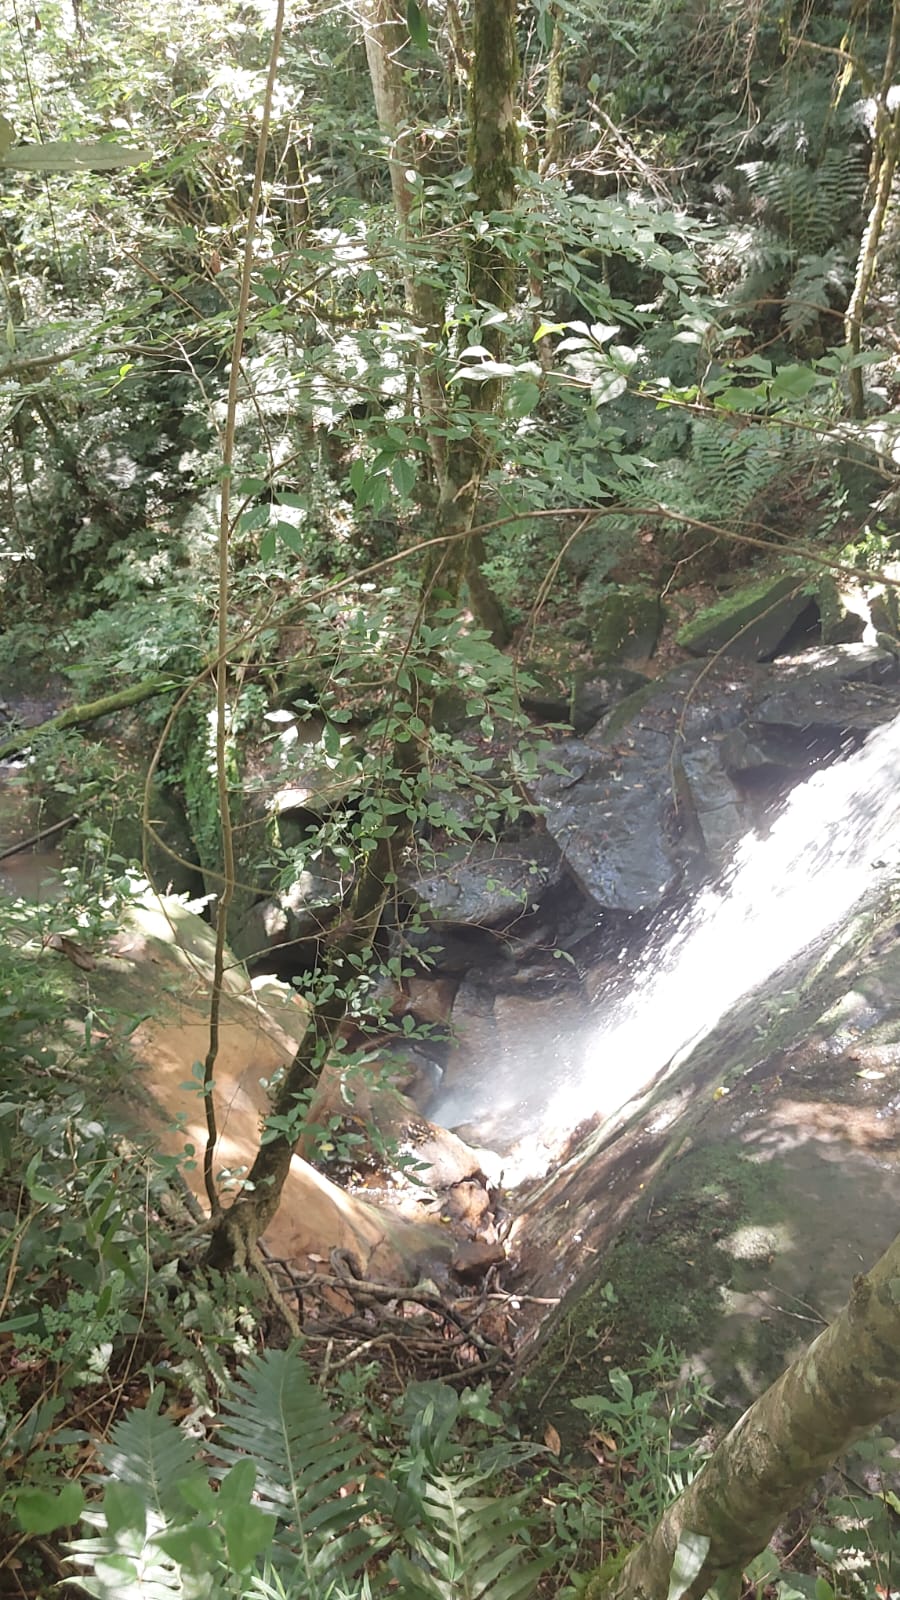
{"points": [[834, 842], [31, 874]]}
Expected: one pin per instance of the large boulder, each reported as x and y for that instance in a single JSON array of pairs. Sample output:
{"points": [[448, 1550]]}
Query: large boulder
{"points": [[752, 621], [729, 1213], [625, 623], [163, 960], [610, 812], [485, 883]]}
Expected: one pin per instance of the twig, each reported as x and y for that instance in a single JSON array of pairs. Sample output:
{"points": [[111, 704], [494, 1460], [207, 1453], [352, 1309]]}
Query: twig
{"points": [[36, 838]]}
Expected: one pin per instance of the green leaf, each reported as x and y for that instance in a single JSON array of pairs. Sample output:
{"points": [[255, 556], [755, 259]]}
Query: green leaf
{"points": [[403, 473], [290, 535], [546, 27], [689, 1557], [524, 395], [608, 387], [248, 1532], [417, 23], [44, 1510], [794, 383], [65, 155]]}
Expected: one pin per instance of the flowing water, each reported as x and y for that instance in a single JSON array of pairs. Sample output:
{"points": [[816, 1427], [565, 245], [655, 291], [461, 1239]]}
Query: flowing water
{"points": [[31, 874], [836, 840]]}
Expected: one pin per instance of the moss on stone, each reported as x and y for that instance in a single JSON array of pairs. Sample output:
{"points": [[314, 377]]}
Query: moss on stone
{"points": [[661, 1281], [627, 709], [625, 624]]}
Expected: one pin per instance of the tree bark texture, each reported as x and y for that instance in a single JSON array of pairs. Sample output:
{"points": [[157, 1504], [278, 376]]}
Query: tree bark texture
{"points": [[843, 1384], [491, 271], [885, 153]]}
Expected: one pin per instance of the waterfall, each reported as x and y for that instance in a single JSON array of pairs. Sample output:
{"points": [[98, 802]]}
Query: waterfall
{"points": [[831, 845]]}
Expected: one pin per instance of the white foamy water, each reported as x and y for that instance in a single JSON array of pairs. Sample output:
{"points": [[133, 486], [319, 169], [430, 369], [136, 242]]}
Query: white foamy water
{"points": [[833, 844]]}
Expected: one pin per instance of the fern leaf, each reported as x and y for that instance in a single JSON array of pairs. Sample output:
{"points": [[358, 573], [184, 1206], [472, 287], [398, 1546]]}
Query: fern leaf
{"points": [[152, 1467], [471, 1546], [307, 1465]]}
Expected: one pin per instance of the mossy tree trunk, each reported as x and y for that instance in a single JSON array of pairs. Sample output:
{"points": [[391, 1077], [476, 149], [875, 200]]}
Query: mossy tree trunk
{"points": [[846, 1382], [494, 153]]}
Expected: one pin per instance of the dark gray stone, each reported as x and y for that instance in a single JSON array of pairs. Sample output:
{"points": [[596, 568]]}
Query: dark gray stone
{"points": [[485, 883], [609, 812]]}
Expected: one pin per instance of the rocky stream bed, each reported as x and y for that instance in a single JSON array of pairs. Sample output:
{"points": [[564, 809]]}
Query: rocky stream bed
{"points": [[727, 1200]]}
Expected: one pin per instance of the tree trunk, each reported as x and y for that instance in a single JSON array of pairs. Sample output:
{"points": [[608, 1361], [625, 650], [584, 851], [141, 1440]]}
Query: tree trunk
{"points": [[885, 153], [846, 1382], [459, 466], [459, 469]]}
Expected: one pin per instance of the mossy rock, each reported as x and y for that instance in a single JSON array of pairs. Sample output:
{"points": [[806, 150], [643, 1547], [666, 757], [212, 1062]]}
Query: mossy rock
{"points": [[843, 610], [752, 621], [625, 624], [662, 1282]]}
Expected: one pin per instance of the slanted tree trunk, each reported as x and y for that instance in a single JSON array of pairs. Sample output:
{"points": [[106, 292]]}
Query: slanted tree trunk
{"points": [[846, 1382]]}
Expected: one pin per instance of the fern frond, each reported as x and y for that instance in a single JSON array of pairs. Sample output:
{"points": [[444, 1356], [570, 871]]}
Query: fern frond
{"points": [[817, 281], [307, 1463], [809, 201], [469, 1546], [152, 1466]]}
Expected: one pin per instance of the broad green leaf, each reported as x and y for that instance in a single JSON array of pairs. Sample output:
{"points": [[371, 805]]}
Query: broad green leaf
{"points": [[417, 23], [70, 155], [689, 1557], [608, 387], [44, 1510], [403, 473], [523, 397], [794, 383], [248, 1532]]}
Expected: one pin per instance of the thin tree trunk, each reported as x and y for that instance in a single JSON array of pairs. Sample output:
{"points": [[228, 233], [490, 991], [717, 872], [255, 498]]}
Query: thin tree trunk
{"points": [[846, 1381], [885, 153], [458, 471], [493, 146]]}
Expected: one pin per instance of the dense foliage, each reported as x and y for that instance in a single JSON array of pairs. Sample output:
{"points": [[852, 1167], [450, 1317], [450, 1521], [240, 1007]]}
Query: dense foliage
{"points": [[316, 399]]}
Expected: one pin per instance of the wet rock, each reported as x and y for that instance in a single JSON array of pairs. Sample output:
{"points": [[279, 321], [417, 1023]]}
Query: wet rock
{"points": [[752, 1186], [841, 690], [290, 921], [609, 810], [568, 690], [843, 609], [751, 622], [717, 806], [486, 883], [595, 693]]}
